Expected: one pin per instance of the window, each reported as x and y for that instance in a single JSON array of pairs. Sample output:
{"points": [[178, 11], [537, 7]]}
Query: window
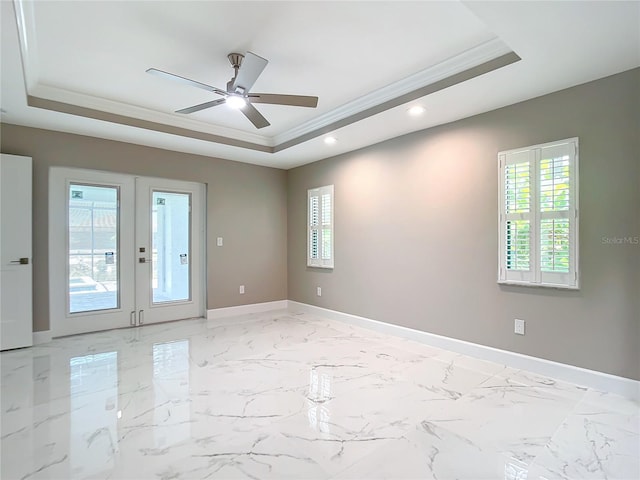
{"points": [[539, 215], [320, 227]]}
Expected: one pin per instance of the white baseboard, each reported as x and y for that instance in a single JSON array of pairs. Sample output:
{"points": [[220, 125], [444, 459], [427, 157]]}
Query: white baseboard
{"points": [[217, 313], [560, 371], [41, 337]]}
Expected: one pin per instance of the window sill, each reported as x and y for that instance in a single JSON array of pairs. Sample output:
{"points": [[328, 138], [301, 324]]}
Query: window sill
{"points": [[538, 285], [325, 267]]}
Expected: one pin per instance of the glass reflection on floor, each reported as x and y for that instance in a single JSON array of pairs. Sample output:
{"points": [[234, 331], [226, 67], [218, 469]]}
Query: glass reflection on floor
{"points": [[93, 388], [171, 386], [319, 393], [96, 418]]}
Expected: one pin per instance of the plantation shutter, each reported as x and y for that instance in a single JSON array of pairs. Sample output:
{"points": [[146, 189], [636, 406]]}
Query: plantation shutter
{"points": [[557, 214], [320, 227], [539, 215], [517, 207]]}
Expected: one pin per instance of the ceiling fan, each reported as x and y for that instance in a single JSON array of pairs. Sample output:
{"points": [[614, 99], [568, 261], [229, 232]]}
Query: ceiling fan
{"points": [[247, 70]]}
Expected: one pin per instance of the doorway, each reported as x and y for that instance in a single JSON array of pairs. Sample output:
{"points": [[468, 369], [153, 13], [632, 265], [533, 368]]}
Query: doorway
{"points": [[123, 250]]}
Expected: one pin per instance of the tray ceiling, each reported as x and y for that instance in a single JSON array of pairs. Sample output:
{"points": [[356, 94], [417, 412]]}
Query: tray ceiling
{"points": [[80, 67]]}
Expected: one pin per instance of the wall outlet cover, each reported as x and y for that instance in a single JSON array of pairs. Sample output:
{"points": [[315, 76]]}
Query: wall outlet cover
{"points": [[519, 327]]}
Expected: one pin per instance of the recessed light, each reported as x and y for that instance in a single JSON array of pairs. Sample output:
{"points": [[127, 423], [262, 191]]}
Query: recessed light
{"points": [[416, 110], [330, 140], [235, 101]]}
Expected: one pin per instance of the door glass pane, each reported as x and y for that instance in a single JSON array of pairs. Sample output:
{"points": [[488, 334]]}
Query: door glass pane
{"points": [[93, 248], [171, 246]]}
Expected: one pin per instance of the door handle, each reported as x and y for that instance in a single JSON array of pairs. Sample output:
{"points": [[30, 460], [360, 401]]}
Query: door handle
{"points": [[144, 260], [132, 318], [22, 261], [141, 317]]}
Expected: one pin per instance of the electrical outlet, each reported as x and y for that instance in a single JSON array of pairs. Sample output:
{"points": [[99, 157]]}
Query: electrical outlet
{"points": [[219, 241], [241, 289], [519, 327], [319, 291]]}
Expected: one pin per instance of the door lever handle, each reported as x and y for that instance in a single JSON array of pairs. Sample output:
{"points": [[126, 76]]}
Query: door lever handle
{"points": [[144, 260], [22, 261]]}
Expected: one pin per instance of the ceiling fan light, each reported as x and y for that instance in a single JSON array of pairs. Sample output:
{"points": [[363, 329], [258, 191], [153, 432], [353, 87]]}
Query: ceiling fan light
{"points": [[236, 101]]}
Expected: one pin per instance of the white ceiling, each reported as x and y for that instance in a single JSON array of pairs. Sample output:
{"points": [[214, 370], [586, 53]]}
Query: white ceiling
{"points": [[352, 55]]}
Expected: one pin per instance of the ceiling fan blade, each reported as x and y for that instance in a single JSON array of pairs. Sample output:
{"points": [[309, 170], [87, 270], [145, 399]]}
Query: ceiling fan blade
{"points": [[202, 106], [254, 116], [276, 99], [250, 69], [186, 81]]}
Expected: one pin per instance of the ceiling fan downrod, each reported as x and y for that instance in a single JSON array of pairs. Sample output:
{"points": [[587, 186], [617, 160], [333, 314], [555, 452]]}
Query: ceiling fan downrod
{"points": [[236, 60]]}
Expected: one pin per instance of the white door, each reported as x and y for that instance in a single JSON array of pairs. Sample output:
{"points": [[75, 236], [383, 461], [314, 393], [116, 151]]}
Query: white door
{"points": [[169, 232], [15, 252], [124, 250]]}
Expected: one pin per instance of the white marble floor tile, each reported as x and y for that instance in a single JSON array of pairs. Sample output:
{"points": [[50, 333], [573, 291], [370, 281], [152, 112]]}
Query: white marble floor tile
{"points": [[280, 395], [517, 421], [433, 452], [599, 439]]}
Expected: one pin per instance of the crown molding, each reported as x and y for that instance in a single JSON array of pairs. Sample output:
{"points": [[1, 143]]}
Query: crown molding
{"points": [[473, 57], [115, 118], [95, 103], [25, 20], [463, 76]]}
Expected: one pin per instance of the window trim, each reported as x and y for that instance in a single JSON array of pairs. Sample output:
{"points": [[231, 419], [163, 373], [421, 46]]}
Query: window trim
{"points": [[535, 277], [320, 262]]}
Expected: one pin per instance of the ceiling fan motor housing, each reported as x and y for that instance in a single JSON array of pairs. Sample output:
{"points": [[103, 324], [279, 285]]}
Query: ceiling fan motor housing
{"points": [[235, 59]]}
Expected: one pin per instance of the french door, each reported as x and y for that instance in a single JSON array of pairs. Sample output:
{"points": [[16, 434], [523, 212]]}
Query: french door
{"points": [[123, 250]]}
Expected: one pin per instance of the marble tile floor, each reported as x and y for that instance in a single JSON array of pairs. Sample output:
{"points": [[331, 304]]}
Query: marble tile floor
{"points": [[295, 396]]}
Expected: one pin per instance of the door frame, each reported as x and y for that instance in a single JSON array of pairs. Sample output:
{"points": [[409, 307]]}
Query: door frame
{"points": [[121, 317]]}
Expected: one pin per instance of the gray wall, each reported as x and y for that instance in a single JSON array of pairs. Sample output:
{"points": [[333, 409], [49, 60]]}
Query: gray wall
{"points": [[246, 205], [416, 230], [416, 226]]}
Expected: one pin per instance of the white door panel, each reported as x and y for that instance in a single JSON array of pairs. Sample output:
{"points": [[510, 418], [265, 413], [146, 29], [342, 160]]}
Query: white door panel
{"points": [[15, 252], [80, 299], [169, 229]]}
